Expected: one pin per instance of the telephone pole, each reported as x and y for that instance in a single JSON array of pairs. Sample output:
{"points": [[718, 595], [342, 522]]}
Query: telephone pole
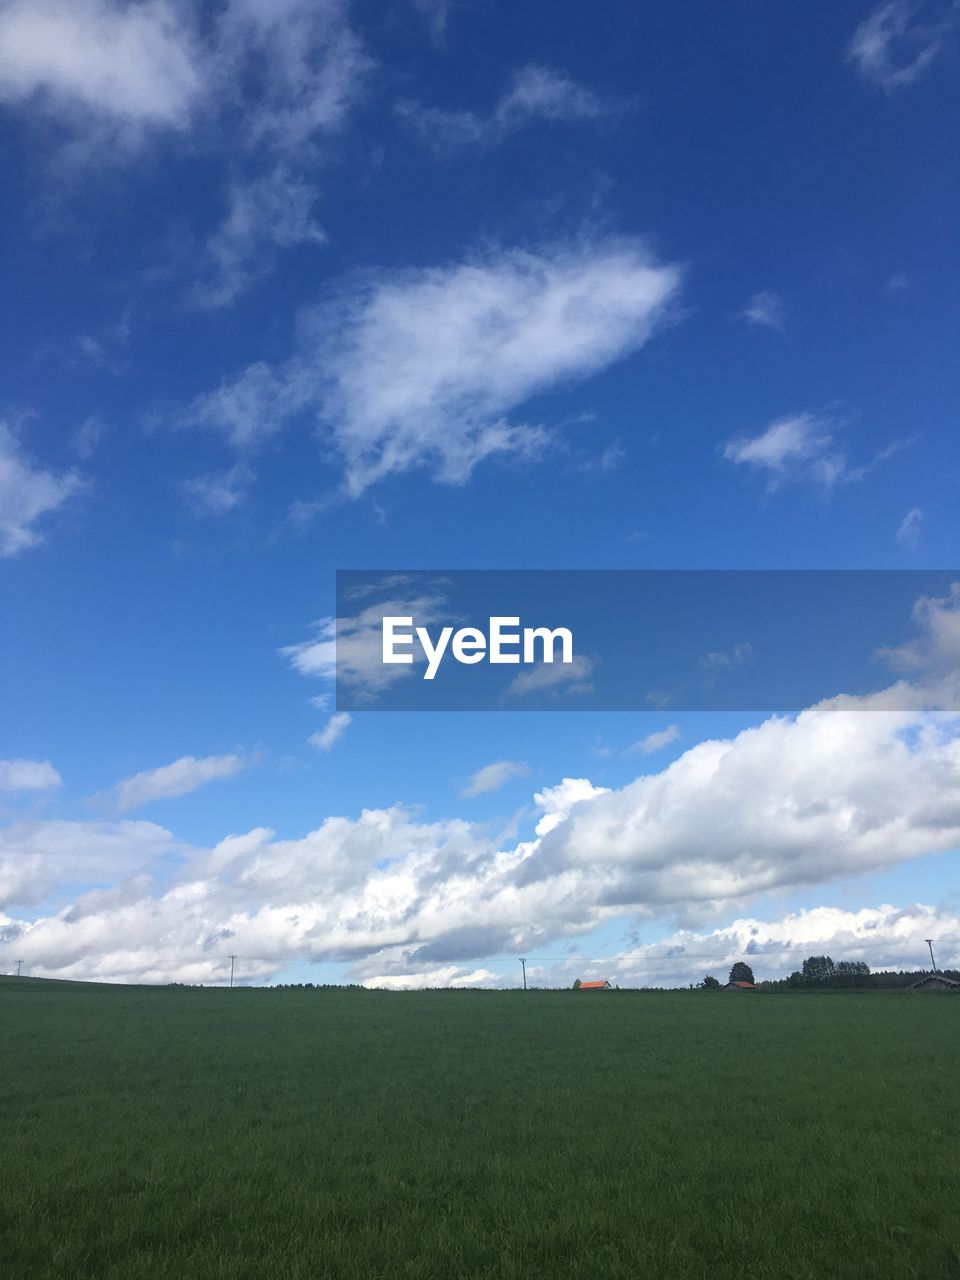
{"points": [[19, 963], [232, 963], [523, 962], [929, 942]]}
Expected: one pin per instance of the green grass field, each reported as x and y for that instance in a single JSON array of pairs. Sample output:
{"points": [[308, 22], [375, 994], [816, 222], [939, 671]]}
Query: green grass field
{"points": [[177, 1132]]}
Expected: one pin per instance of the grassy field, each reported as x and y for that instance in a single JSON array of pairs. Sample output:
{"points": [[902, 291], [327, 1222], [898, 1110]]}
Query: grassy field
{"points": [[165, 1132]]}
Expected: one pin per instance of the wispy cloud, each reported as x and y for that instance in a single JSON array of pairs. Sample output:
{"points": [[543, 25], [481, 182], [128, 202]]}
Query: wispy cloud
{"points": [[899, 40], [177, 779], [803, 447], [726, 659], [765, 309], [656, 741], [218, 492], [335, 727], [271, 212], [28, 775], [494, 776], [908, 533], [536, 94], [420, 368], [27, 494], [550, 677]]}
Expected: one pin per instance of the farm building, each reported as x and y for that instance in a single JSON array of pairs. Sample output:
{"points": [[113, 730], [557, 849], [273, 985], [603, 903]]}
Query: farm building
{"points": [[935, 982], [602, 985], [740, 986]]}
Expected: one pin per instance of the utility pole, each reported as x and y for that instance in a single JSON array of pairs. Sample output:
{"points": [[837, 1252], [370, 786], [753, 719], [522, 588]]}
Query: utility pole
{"points": [[19, 963], [929, 942], [523, 962], [233, 960]]}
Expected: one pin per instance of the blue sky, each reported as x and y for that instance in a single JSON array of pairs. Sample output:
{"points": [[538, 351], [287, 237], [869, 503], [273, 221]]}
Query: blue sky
{"points": [[297, 287]]}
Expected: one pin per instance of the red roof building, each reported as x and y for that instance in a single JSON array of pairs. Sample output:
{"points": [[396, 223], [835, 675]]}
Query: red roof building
{"points": [[602, 985]]}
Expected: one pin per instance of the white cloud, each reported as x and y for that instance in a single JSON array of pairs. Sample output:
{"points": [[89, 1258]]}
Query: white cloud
{"points": [[350, 648], [845, 788], [803, 447], [87, 437], [788, 804], [727, 660], [908, 533], [331, 731], [536, 94], [136, 66], [899, 40], [886, 937], [218, 492], [27, 775], [39, 857], [494, 776], [571, 677], [420, 368], [767, 310], [136, 62], [450, 975], [27, 493], [270, 212], [657, 740], [177, 779]]}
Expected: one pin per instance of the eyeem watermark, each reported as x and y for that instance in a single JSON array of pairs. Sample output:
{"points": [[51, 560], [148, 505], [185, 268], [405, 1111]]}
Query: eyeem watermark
{"points": [[641, 640], [503, 642]]}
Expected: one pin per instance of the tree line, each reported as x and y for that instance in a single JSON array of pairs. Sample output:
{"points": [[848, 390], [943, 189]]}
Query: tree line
{"points": [[822, 973]]}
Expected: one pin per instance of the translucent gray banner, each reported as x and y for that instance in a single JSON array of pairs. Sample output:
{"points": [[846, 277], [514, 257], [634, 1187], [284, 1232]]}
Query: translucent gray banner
{"points": [[624, 640]]}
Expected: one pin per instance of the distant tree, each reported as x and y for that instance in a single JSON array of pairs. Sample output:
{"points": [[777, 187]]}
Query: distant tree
{"points": [[741, 973], [576, 983], [818, 971], [710, 981]]}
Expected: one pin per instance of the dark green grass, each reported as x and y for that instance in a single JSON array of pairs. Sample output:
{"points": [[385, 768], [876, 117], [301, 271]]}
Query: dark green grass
{"points": [[163, 1132]]}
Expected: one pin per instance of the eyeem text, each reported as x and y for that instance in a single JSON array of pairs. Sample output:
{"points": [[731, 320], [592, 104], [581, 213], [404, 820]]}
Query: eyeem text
{"points": [[503, 642]]}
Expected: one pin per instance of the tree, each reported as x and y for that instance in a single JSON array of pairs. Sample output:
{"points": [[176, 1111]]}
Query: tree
{"points": [[741, 973], [576, 984], [710, 981], [818, 971]]}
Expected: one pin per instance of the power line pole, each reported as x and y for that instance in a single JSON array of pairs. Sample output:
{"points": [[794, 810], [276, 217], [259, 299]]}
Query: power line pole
{"points": [[233, 960], [19, 963], [929, 942], [523, 962]]}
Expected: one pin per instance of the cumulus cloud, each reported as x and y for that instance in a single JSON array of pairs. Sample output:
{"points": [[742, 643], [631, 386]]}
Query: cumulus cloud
{"points": [[324, 739], [845, 788], [27, 494], [494, 776], [421, 368], [28, 775], [885, 936], [177, 779], [767, 310], [899, 40], [536, 94], [787, 804], [803, 447], [39, 857]]}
